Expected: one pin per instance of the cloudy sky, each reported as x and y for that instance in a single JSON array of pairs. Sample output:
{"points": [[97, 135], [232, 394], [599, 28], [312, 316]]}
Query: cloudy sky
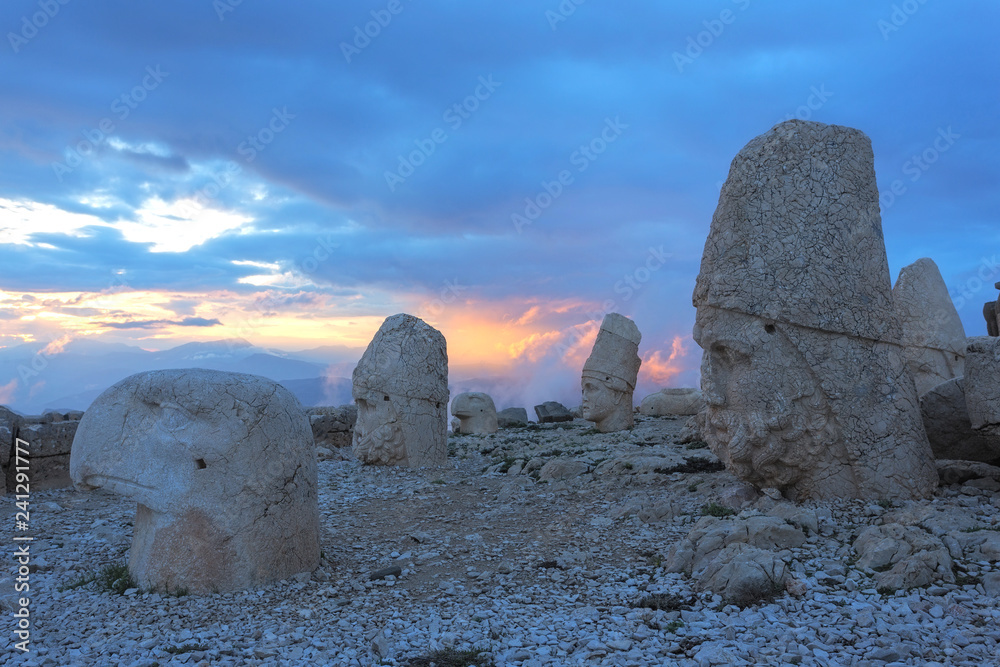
{"points": [[293, 173]]}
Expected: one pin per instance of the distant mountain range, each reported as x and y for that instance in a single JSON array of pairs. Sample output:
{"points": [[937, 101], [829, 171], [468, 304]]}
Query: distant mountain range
{"points": [[72, 378]]}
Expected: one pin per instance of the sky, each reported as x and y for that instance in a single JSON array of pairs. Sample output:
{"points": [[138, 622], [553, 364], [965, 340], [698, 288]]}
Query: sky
{"points": [[294, 173]]}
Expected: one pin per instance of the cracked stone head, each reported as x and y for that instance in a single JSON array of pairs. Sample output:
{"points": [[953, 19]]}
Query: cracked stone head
{"points": [[609, 374], [401, 390], [219, 464], [476, 413]]}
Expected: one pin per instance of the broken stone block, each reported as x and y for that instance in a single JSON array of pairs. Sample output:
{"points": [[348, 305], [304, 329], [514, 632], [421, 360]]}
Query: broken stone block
{"points": [[551, 411]]}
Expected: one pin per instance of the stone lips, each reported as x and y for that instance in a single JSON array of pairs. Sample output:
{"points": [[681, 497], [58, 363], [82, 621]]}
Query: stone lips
{"points": [[797, 247], [402, 360], [615, 355], [223, 470]]}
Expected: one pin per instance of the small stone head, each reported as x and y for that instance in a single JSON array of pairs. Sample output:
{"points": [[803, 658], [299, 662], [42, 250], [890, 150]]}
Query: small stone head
{"points": [[223, 470], [609, 374], [476, 413], [401, 390]]}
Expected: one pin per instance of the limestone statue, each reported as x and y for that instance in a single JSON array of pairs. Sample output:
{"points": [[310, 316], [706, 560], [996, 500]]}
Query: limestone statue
{"points": [[932, 334], [806, 386], [609, 374], [223, 470], [476, 413], [401, 389]]}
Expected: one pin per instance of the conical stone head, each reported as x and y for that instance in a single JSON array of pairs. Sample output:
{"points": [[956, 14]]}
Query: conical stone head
{"points": [[609, 374]]}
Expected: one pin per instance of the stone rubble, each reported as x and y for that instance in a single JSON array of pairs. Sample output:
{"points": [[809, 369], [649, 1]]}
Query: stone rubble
{"points": [[535, 572]]}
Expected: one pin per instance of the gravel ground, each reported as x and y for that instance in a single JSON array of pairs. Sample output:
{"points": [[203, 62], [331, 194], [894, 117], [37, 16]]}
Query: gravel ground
{"points": [[535, 545]]}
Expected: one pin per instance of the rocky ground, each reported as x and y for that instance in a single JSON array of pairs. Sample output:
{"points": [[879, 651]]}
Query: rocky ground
{"points": [[551, 545]]}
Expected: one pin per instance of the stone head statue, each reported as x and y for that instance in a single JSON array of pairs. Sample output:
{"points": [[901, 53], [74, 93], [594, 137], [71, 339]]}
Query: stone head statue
{"points": [[401, 389], [803, 373], [476, 413], [609, 374], [223, 470], [933, 337]]}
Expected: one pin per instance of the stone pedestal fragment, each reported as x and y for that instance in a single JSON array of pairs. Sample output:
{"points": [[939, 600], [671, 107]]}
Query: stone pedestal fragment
{"points": [[223, 469], [609, 374], [803, 372], [476, 413], [401, 389], [552, 411], [932, 333], [512, 418]]}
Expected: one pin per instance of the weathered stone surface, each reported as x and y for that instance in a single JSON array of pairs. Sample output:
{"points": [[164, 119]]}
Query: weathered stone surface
{"points": [[401, 389], [992, 318], [678, 402], [551, 411], [512, 418], [563, 469], [957, 472], [49, 438], [476, 413], [743, 574], [903, 556], [932, 333], [804, 377], [609, 374], [982, 383], [949, 430], [333, 427], [223, 469], [9, 422]]}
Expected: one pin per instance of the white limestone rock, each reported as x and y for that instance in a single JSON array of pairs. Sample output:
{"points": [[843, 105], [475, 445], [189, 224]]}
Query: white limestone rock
{"points": [[223, 470], [932, 333], [401, 390], [803, 372], [609, 374], [476, 413], [679, 402]]}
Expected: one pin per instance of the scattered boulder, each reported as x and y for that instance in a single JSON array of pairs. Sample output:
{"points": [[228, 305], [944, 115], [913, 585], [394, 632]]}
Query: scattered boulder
{"points": [[903, 557], [743, 574], [333, 427], [932, 333], [401, 389], [551, 411], [222, 467], [959, 472], [949, 428], [563, 469], [512, 418], [807, 388], [672, 402], [982, 384], [476, 413], [609, 375]]}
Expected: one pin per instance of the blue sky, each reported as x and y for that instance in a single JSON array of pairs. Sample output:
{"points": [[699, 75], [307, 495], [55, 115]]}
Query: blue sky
{"points": [[197, 170]]}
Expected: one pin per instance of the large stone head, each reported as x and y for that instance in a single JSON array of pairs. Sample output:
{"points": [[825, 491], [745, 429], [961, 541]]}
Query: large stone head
{"points": [[802, 371], [222, 467], [933, 337], [610, 373], [401, 389], [476, 413]]}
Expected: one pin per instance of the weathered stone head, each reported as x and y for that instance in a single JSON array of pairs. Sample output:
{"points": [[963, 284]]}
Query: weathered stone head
{"points": [[401, 389], [933, 337], [609, 374], [476, 413], [806, 386], [223, 468]]}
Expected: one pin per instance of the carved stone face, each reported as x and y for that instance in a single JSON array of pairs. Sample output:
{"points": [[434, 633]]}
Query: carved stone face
{"points": [[609, 408], [222, 468], [766, 414], [476, 412], [378, 436]]}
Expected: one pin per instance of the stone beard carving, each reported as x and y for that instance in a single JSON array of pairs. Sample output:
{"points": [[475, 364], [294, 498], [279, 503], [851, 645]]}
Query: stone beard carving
{"points": [[933, 336], [223, 469], [476, 412], [609, 375], [803, 373], [401, 390]]}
